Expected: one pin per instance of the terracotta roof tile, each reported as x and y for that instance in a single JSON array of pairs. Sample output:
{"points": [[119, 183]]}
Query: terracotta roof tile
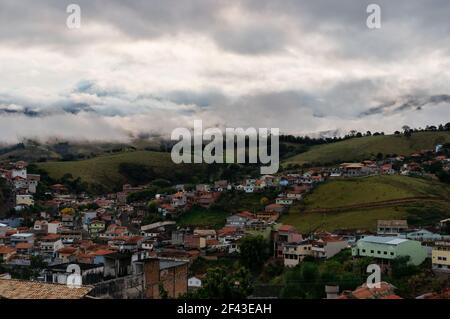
{"points": [[21, 289]]}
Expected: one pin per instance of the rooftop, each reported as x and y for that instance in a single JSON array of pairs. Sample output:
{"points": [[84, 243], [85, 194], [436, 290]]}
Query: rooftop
{"points": [[21, 289], [383, 240]]}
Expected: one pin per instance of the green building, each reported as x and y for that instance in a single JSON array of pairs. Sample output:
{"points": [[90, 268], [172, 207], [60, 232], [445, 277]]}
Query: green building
{"points": [[389, 248]]}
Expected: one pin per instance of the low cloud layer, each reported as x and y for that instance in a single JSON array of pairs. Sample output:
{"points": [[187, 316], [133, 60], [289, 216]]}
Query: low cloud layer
{"points": [[149, 66]]}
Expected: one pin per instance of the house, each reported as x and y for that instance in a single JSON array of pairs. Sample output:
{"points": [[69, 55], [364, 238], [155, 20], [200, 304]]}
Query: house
{"points": [[275, 208], [3, 229], [385, 249], [53, 227], [24, 248], [152, 230], [268, 216], [294, 253], [114, 231], [194, 241], [423, 235], [194, 283], [284, 201], [440, 256], [22, 238], [295, 195], [391, 227], [95, 227], [24, 200], [208, 234], [240, 220], [202, 188], [117, 264], [68, 220], [229, 237], [50, 244], [206, 199], [58, 274], [249, 188], [328, 246], [69, 236], [32, 182], [284, 235], [126, 243], [167, 210], [221, 185], [90, 257], [178, 200], [6, 253], [170, 275], [354, 169], [387, 169], [384, 291], [67, 254], [40, 226]]}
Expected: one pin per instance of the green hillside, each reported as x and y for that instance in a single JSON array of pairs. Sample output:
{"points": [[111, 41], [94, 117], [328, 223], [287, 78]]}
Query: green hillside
{"points": [[105, 169], [357, 149], [360, 202]]}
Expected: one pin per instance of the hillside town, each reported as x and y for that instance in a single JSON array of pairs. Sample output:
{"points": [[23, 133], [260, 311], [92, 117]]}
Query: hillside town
{"points": [[119, 252]]}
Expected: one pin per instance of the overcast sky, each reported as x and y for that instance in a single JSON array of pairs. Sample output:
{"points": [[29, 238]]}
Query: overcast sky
{"points": [[146, 66]]}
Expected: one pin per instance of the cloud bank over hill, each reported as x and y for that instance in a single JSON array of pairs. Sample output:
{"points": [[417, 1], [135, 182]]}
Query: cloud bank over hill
{"points": [[149, 66]]}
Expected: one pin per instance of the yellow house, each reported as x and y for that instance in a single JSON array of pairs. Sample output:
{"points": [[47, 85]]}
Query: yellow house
{"points": [[24, 200], [440, 256]]}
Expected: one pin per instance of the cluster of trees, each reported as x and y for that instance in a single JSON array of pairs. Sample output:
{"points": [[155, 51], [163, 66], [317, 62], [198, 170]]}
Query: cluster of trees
{"points": [[308, 279], [221, 283], [407, 131]]}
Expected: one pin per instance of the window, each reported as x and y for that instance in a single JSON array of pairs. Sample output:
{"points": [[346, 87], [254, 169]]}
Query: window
{"points": [[378, 252], [372, 251], [385, 252], [392, 254], [363, 250]]}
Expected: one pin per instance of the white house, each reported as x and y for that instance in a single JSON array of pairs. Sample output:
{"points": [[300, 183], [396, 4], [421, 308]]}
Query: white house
{"points": [[194, 283], [284, 201], [52, 227], [249, 188]]}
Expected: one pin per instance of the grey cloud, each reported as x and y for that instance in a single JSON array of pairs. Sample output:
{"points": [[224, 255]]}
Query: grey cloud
{"points": [[407, 103]]}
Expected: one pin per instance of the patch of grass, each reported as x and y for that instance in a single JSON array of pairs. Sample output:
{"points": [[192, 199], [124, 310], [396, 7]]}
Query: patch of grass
{"points": [[357, 149], [372, 189], [233, 202], [362, 219], [355, 191], [198, 216], [105, 169]]}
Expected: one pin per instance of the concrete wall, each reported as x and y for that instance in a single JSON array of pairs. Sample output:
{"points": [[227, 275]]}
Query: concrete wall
{"points": [[128, 287]]}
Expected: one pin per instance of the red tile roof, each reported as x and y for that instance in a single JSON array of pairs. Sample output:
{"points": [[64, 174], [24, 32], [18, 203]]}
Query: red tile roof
{"points": [[24, 246]]}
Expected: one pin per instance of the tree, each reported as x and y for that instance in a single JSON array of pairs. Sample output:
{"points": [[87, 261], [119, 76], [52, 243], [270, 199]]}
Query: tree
{"points": [[162, 292], [68, 211], [220, 283], [406, 130], [254, 251], [264, 201]]}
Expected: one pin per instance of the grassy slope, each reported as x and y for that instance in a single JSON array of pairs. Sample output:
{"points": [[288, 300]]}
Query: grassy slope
{"points": [[371, 189], [229, 203], [203, 218], [361, 148], [105, 169], [360, 191]]}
